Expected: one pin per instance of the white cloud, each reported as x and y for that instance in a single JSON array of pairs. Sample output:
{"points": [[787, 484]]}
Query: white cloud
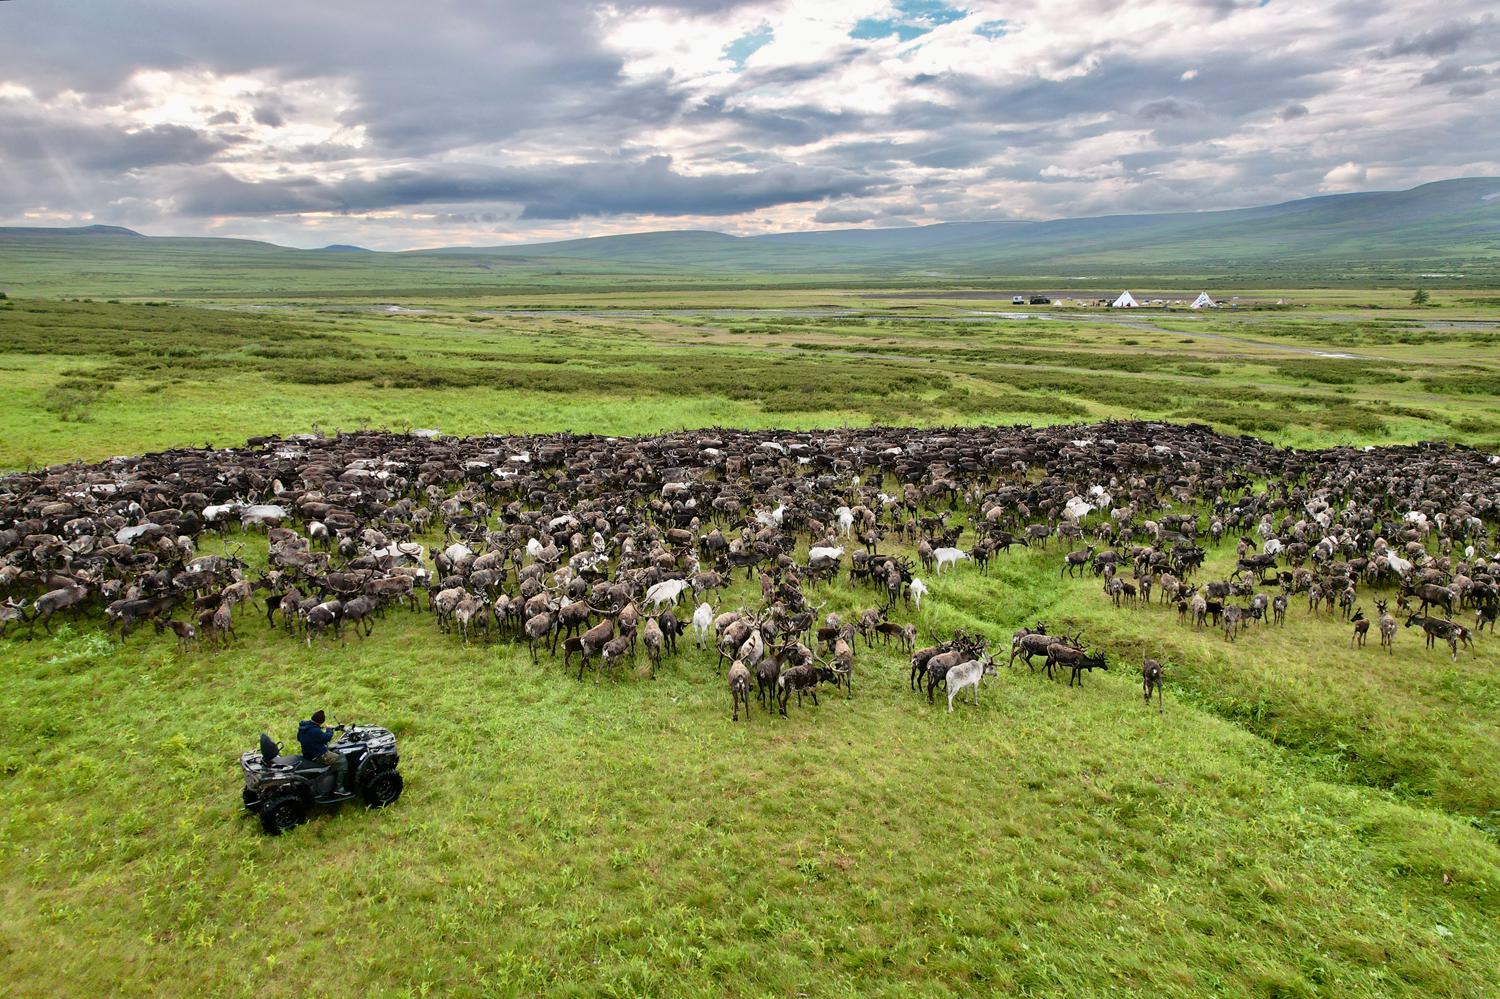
{"points": [[990, 109], [1345, 177]]}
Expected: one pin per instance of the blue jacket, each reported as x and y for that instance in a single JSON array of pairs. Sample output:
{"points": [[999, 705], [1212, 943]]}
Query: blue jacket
{"points": [[314, 739]]}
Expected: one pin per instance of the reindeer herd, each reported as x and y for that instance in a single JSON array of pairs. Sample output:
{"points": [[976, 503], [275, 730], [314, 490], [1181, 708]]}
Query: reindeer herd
{"points": [[614, 548], [1330, 558]]}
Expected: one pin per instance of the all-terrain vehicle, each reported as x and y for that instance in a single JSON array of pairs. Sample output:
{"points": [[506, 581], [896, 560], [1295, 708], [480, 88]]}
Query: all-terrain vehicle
{"points": [[283, 789]]}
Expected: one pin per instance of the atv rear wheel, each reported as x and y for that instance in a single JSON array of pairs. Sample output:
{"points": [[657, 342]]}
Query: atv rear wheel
{"points": [[283, 813], [252, 800], [383, 789]]}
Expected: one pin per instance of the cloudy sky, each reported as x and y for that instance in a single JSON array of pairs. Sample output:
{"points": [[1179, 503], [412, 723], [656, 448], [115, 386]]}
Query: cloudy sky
{"points": [[442, 122]]}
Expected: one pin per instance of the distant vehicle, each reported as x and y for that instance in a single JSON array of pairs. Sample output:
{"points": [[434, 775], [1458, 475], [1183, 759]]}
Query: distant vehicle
{"points": [[1040, 300], [1018, 300], [283, 789]]}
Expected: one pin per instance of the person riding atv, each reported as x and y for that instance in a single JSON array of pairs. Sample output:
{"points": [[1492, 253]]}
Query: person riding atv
{"points": [[314, 739], [283, 789]]}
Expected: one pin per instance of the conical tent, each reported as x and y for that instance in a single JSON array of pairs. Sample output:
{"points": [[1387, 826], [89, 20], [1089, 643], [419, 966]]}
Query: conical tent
{"points": [[1125, 301], [1203, 301]]}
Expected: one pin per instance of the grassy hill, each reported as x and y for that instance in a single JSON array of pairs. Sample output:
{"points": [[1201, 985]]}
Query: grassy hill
{"points": [[1377, 238], [1450, 220]]}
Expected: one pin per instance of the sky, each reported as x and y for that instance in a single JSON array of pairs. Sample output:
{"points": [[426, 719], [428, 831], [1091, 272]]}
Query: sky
{"points": [[440, 122]]}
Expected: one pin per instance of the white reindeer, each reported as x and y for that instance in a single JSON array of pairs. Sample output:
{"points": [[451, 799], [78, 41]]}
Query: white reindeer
{"points": [[918, 591], [262, 515], [846, 521], [968, 675], [948, 557], [703, 622], [824, 552], [666, 593], [221, 512], [770, 518]]}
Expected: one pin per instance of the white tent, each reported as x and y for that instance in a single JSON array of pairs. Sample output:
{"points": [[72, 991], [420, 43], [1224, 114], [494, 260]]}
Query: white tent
{"points": [[1203, 301], [1125, 301]]}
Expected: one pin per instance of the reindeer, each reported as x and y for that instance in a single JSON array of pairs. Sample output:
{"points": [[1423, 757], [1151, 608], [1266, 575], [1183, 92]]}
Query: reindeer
{"points": [[968, 674], [541, 626], [1432, 595], [1361, 628], [615, 649], [949, 557], [592, 642], [1435, 628], [221, 623], [1078, 560], [186, 634], [802, 678], [64, 597], [654, 640], [1151, 679], [1074, 659], [843, 665], [1233, 618], [703, 620], [11, 610], [361, 611], [1387, 627], [766, 675], [739, 688], [468, 609]]}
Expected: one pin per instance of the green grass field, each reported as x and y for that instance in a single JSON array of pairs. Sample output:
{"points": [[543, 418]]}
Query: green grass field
{"points": [[94, 379], [1302, 819]]}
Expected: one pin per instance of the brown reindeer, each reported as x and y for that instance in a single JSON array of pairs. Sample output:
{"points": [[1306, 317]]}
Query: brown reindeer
{"points": [[1361, 628], [739, 688], [1151, 678]]}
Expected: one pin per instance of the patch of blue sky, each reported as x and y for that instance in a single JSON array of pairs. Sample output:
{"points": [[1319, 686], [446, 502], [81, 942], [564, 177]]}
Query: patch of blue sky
{"points": [[993, 29], [934, 12], [911, 19], [748, 44], [871, 28]]}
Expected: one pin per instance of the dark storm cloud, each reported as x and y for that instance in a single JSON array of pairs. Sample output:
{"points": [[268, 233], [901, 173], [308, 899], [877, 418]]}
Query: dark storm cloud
{"points": [[1461, 80], [1166, 109], [45, 141], [649, 187], [269, 115], [1233, 85], [1443, 39], [796, 126]]}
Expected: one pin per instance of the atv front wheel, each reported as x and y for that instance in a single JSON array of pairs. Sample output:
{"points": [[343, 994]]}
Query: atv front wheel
{"points": [[281, 814], [383, 789]]}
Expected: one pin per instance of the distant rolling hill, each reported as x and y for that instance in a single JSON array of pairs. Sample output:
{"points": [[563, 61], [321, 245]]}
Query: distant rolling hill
{"points": [[1447, 220], [1380, 237], [81, 230]]}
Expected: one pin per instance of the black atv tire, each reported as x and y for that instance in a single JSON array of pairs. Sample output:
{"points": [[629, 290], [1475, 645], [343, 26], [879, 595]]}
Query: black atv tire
{"points": [[282, 813], [383, 789], [251, 799]]}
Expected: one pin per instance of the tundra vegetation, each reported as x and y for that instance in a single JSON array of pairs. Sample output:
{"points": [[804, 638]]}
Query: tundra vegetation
{"points": [[1298, 814]]}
